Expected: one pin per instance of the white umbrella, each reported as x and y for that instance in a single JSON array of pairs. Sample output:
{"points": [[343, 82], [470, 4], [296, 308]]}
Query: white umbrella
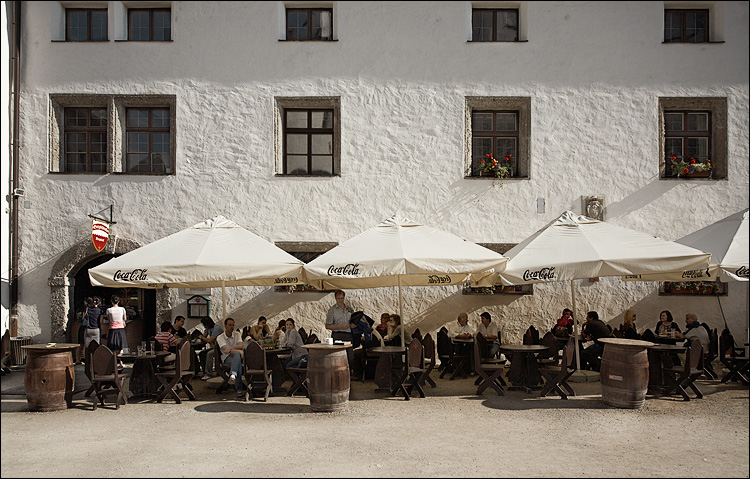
{"points": [[216, 252], [576, 247], [400, 252]]}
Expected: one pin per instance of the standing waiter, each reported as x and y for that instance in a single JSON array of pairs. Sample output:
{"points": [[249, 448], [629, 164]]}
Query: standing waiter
{"points": [[338, 320]]}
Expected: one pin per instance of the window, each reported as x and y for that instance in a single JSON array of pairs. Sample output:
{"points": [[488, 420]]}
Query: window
{"points": [[150, 25], [148, 141], [86, 25], [308, 136], [686, 26], [694, 133], [132, 134], [304, 24], [86, 140], [494, 25], [499, 127]]}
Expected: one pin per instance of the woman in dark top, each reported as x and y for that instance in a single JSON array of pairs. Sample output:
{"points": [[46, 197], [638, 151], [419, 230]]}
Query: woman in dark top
{"points": [[666, 323], [93, 315]]}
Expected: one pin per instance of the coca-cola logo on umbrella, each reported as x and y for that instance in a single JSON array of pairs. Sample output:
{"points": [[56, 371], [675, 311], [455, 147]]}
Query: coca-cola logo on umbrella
{"points": [[99, 234], [742, 272], [540, 275], [135, 275], [351, 269]]}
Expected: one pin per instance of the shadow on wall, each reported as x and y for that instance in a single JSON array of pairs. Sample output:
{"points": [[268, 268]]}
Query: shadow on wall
{"points": [[270, 304]]}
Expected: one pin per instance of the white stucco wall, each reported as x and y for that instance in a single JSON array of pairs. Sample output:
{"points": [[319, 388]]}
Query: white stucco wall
{"points": [[4, 171], [594, 72]]}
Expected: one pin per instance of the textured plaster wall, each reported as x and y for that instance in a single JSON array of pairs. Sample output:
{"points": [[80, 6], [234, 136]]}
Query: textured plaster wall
{"points": [[594, 72]]}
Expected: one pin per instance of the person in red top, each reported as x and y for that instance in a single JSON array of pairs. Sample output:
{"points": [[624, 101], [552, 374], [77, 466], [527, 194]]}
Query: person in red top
{"points": [[564, 326], [167, 339]]}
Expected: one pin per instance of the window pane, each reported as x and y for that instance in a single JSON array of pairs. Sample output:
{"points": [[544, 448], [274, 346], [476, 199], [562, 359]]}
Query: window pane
{"points": [[296, 119], [296, 144], [99, 142], [137, 163], [75, 117], [78, 27], [481, 122], [673, 147], [506, 122], [137, 142], [99, 117], [99, 162], [481, 147], [162, 26], [695, 27], [673, 121], [505, 147], [99, 26], [322, 119], [697, 121], [137, 118], [322, 165], [481, 25], [75, 142], [296, 165], [296, 28], [322, 144], [326, 32], [672, 26], [507, 26], [139, 26], [75, 162], [160, 142], [159, 162], [697, 148], [160, 118]]}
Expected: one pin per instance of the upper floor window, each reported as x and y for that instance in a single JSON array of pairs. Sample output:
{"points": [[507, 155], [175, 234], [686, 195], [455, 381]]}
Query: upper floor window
{"points": [[685, 26], [308, 142], [309, 24], [148, 141], [494, 25], [86, 25], [150, 24], [86, 140]]}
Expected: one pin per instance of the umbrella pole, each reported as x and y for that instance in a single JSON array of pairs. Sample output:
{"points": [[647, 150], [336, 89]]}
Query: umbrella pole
{"points": [[401, 312], [224, 299], [575, 323]]}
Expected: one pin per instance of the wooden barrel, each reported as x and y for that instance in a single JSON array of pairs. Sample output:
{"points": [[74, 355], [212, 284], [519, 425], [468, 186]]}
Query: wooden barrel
{"points": [[49, 379], [328, 377], [624, 372]]}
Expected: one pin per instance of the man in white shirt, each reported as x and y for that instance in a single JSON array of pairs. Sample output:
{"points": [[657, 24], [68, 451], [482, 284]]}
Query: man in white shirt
{"points": [[231, 345], [489, 331], [693, 329], [338, 322], [461, 330]]}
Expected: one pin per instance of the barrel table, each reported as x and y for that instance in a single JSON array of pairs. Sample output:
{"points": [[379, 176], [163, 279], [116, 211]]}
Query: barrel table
{"points": [[49, 376], [328, 376], [624, 372]]}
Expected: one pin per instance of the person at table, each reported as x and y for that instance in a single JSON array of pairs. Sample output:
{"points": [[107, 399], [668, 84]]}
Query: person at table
{"points": [[210, 333], [629, 329], [564, 326], [232, 347], [382, 328], [393, 336], [167, 340], [261, 329], [116, 315], [461, 330], [294, 342], [593, 330], [279, 332], [693, 329], [93, 329], [178, 329], [338, 321], [666, 324], [489, 331]]}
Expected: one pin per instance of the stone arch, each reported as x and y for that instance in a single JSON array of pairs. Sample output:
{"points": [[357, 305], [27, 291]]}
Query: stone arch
{"points": [[61, 285]]}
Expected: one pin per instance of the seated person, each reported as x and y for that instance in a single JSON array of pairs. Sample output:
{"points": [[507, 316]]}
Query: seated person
{"points": [[293, 341], [564, 326], [278, 333], [461, 330], [232, 354], [628, 329], [260, 330], [489, 331], [693, 329], [382, 328], [393, 337], [167, 340], [594, 329], [178, 329], [210, 333], [666, 324]]}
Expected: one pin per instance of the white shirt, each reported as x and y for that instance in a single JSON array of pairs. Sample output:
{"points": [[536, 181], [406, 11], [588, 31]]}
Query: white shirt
{"points": [[490, 330], [223, 340], [455, 329]]}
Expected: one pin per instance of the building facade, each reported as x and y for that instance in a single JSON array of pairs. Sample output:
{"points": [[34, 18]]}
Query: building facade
{"points": [[309, 122]]}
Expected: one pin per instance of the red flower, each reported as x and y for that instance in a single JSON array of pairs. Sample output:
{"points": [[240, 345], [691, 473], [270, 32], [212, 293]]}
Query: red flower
{"points": [[686, 170], [507, 158], [692, 161], [672, 165], [674, 158], [487, 155], [483, 163], [509, 155]]}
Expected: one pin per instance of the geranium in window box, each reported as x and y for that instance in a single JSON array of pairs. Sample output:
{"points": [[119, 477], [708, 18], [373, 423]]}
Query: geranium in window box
{"points": [[691, 287], [489, 166], [691, 168]]}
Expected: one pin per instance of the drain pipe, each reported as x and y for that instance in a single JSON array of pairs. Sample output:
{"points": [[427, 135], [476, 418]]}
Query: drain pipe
{"points": [[15, 191]]}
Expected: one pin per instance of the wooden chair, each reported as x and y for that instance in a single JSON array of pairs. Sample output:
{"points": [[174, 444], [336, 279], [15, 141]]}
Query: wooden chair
{"points": [[556, 377], [370, 360], [221, 370], [413, 372], [531, 336], [484, 357], [648, 335], [417, 335], [489, 372], [299, 381], [87, 353], [552, 355], [429, 360], [312, 339], [449, 360], [303, 335], [178, 380], [736, 363], [104, 372], [711, 354], [256, 370], [680, 377]]}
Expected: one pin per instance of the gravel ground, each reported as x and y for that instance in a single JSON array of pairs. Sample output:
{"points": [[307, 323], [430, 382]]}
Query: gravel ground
{"points": [[450, 433]]}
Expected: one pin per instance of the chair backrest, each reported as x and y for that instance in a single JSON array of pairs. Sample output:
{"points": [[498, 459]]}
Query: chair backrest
{"points": [[726, 344], [481, 345], [415, 354], [184, 356], [527, 337], [477, 358], [534, 335], [255, 357], [312, 339], [429, 347], [694, 358], [93, 346], [444, 345], [550, 341], [303, 335], [713, 347], [218, 364], [417, 334], [648, 335], [6, 344], [617, 333], [568, 354], [103, 362]]}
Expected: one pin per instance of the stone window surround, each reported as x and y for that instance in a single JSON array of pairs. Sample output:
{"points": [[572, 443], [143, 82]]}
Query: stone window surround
{"points": [[520, 104], [282, 103], [116, 127], [117, 16], [283, 5], [719, 143]]}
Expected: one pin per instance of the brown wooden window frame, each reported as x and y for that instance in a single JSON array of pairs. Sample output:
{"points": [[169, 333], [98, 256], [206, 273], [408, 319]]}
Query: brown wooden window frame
{"points": [[685, 135], [495, 135], [151, 12], [89, 24], [495, 27], [89, 130], [309, 131], [150, 130], [683, 24], [310, 26]]}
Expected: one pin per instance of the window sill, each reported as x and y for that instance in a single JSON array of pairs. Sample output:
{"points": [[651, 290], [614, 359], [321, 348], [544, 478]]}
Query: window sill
{"points": [[308, 41], [127, 173], [693, 43], [80, 41], [504, 41], [521, 289], [495, 178], [674, 178], [145, 41], [282, 175]]}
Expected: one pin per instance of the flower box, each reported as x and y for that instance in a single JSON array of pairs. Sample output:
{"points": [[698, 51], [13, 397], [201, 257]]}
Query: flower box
{"points": [[695, 288], [517, 289], [697, 174]]}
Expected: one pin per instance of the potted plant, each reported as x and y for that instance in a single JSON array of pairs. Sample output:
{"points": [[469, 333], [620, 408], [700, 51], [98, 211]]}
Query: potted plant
{"points": [[691, 168], [489, 166]]}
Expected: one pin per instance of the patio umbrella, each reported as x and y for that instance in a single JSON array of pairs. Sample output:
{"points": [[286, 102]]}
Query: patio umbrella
{"points": [[727, 241], [215, 252], [400, 252], [576, 247]]}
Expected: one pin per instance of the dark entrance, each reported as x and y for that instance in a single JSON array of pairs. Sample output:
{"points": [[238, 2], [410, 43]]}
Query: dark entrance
{"points": [[140, 303]]}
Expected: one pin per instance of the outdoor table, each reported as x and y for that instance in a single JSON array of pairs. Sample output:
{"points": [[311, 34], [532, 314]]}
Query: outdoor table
{"points": [[466, 348], [143, 381], [659, 356], [667, 339], [388, 367], [49, 376], [524, 369]]}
